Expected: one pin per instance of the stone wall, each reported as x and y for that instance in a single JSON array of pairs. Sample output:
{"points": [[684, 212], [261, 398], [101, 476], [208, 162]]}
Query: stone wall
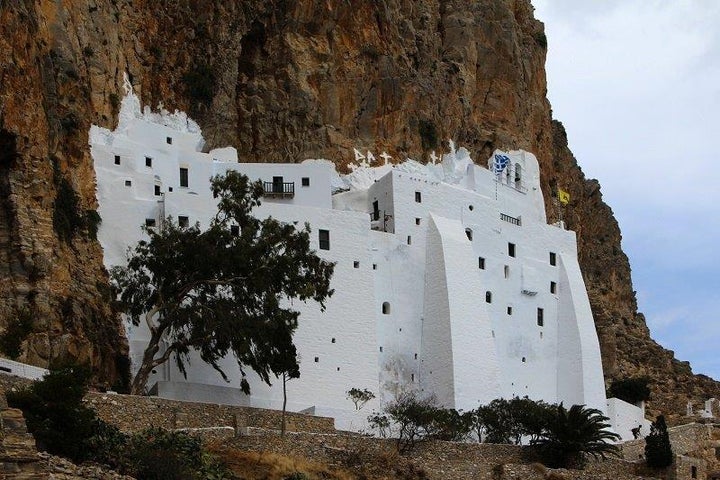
{"points": [[132, 413]]}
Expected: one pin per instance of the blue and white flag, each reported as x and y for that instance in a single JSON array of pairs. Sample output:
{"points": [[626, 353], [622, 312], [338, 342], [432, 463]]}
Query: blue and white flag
{"points": [[501, 161]]}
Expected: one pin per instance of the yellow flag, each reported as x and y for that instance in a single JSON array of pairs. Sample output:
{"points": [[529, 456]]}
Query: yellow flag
{"points": [[563, 196]]}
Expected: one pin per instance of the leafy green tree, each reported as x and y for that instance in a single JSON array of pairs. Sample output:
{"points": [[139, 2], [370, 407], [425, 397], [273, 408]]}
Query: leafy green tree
{"points": [[658, 450], [413, 419], [573, 434], [451, 425], [217, 291], [631, 390], [359, 397]]}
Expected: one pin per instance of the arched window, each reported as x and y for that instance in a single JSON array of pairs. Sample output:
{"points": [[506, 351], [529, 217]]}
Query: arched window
{"points": [[386, 308], [488, 296]]}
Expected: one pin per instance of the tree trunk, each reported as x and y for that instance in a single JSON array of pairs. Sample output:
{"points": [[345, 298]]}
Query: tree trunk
{"points": [[282, 427], [139, 383]]}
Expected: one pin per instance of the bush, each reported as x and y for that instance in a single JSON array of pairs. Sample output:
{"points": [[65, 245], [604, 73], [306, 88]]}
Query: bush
{"points": [[631, 390], [15, 333], [658, 450]]}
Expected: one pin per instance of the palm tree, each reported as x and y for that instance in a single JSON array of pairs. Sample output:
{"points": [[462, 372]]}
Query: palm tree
{"points": [[573, 434]]}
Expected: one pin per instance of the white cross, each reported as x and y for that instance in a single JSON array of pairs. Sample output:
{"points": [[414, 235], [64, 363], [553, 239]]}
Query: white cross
{"points": [[385, 157], [433, 157]]}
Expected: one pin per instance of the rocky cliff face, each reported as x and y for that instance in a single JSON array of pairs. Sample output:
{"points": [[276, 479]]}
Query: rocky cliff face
{"points": [[282, 81]]}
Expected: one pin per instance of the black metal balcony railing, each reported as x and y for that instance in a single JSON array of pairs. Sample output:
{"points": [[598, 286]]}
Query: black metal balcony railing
{"points": [[509, 219], [277, 189]]}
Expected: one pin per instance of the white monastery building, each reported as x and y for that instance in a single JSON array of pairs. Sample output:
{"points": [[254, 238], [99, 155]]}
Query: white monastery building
{"points": [[448, 279]]}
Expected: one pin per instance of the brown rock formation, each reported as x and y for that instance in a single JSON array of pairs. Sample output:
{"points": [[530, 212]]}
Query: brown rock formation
{"points": [[282, 81]]}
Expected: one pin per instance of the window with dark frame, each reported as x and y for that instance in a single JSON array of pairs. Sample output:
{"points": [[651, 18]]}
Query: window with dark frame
{"points": [[157, 190], [553, 259], [183, 221], [488, 296], [481, 263], [148, 161], [540, 317], [324, 239], [305, 181], [511, 249], [553, 287], [418, 197], [184, 177]]}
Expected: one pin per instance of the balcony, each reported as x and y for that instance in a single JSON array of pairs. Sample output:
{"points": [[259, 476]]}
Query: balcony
{"points": [[279, 189]]}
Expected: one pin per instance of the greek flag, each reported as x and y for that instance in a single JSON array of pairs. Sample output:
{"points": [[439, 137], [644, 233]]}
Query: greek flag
{"points": [[501, 161]]}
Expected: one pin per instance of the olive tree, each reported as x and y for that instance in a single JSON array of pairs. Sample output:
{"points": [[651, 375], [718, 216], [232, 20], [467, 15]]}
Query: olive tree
{"points": [[222, 290]]}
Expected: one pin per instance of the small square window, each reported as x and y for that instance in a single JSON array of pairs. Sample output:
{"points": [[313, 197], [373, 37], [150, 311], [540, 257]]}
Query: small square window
{"points": [[117, 159], [553, 259], [169, 189], [235, 230], [332, 340], [553, 287], [157, 190], [168, 140], [540, 317], [183, 221], [184, 177], [305, 181], [149, 222], [148, 161], [417, 221], [511, 249], [481, 263], [509, 310], [356, 264], [128, 183], [317, 359], [324, 239], [418, 197]]}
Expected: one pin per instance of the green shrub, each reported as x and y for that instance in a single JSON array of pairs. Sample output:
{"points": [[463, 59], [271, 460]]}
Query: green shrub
{"points": [[631, 390], [658, 450], [15, 333]]}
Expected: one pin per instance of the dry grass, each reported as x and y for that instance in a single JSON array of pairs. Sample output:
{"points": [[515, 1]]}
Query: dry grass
{"points": [[272, 466]]}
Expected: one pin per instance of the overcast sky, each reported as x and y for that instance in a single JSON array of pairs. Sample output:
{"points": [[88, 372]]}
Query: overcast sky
{"points": [[637, 85]]}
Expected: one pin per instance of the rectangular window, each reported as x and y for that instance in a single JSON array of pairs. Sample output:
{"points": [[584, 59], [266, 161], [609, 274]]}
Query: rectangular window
{"points": [[409, 240], [168, 140], [128, 183], [183, 221], [376, 211], [509, 310], [481, 263], [356, 264], [117, 159], [553, 259], [157, 190], [305, 181], [148, 161], [324, 239], [418, 197], [277, 184], [417, 221], [149, 222], [374, 266], [511, 249], [183, 177], [553, 287], [540, 317]]}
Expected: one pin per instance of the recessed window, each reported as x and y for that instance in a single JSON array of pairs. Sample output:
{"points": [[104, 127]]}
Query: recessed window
{"points": [[509, 310], [332, 340], [117, 159], [324, 239], [409, 240], [338, 369], [235, 230], [356, 264], [169, 189], [305, 181], [470, 207], [317, 359], [481, 263], [183, 221], [381, 349], [488, 297], [168, 140], [523, 359], [148, 161], [417, 221], [540, 317], [157, 190], [416, 356], [553, 287], [418, 197], [386, 308], [128, 183], [183, 177], [149, 222], [506, 271], [374, 266], [412, 379], [511, 249], [553, 259], [468, 233]]}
